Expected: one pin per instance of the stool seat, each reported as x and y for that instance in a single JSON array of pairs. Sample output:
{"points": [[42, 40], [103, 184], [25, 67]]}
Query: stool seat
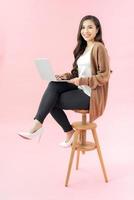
{"points": [[82, 111], [80, 126]]}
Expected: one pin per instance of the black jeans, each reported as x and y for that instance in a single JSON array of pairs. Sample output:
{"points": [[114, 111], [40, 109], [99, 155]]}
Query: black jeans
{"points": [[59, 96]]}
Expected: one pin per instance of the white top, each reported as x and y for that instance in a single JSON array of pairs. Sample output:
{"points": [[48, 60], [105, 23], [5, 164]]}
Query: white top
{"points": [[84, 68]]}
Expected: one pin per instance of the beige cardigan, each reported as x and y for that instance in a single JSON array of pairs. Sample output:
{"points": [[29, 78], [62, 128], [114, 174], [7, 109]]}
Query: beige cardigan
{"points": [[98, 82]]}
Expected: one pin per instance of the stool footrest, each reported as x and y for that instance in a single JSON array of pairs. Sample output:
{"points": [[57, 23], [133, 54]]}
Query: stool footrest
{"points": [[86, 147]]}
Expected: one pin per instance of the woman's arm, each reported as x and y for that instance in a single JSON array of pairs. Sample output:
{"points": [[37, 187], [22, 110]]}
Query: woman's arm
{"points": [[101, 60]]}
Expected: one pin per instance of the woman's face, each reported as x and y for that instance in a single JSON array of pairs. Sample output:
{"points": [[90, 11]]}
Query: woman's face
{"points": [[88, 30]]}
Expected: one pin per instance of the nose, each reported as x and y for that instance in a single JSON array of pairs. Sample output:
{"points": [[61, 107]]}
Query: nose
{"points": [[86, 31]]}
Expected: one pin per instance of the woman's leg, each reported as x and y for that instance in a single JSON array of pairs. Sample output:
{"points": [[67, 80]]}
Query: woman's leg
{"points": [[49, 100], [70, 100], [58, 114]]}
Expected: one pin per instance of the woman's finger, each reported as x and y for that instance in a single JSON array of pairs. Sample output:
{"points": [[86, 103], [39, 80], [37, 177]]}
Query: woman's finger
{"points": [[57, 77]]}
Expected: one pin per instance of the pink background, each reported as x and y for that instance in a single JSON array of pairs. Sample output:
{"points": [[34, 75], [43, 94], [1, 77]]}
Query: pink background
{"points": [[31, 29]]}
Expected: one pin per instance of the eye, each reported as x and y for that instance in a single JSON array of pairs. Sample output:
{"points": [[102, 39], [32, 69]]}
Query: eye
{"points": [[82, 27], [90, 27]]}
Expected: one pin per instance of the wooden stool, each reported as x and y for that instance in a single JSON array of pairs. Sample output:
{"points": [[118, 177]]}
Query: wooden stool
{"points": [[81, 145]]}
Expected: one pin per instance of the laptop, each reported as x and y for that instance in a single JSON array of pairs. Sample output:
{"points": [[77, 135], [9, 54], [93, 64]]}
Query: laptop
{"points": [[45, 70]]}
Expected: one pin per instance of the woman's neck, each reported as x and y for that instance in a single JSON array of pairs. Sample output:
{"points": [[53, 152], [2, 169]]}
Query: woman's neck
{"points": [[90, 43]]}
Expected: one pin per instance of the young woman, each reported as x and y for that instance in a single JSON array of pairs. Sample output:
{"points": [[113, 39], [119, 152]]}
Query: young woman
{"points": [[87, 87]]}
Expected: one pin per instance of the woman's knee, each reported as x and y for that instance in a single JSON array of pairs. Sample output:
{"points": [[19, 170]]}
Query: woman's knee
{"points": [[52, 85]]}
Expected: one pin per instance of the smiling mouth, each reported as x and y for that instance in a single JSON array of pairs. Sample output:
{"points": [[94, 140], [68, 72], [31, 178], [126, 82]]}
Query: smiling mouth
{"points": [[86, 36]]}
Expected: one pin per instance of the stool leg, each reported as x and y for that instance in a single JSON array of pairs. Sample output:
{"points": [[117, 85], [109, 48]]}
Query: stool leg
{"points": [[99, 154], [78, 158], [83, 139], [71, 157]]}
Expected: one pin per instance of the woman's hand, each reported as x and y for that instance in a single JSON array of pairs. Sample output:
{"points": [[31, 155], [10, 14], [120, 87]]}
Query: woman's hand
{"points": [[61, 77], [74, 81]]}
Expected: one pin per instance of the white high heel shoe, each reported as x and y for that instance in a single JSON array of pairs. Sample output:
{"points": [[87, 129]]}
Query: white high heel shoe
{"points": [[28, 135], [65, 144]]}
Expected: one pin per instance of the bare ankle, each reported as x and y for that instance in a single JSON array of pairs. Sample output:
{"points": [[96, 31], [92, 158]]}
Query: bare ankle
{"points": [[69, 134], [37, 125], [36, 121]]}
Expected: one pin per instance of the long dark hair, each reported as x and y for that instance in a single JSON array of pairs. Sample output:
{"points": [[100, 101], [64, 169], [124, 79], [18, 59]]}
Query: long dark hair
{"points": [[81, 43]]}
